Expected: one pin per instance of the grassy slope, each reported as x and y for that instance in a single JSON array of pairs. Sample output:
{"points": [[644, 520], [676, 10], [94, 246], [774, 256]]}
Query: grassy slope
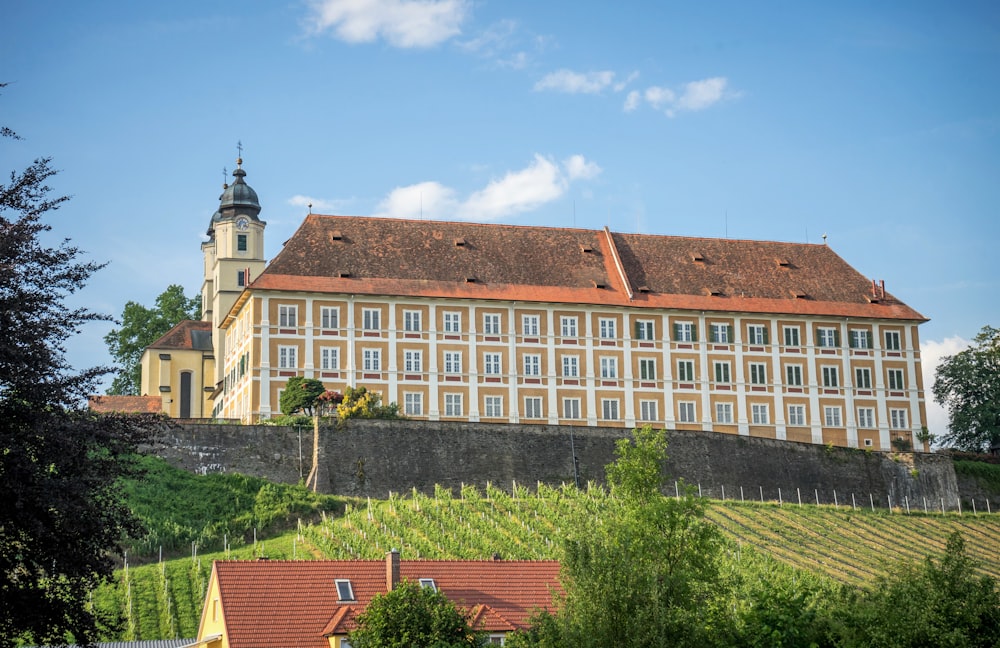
{"points": [[164, 600]]}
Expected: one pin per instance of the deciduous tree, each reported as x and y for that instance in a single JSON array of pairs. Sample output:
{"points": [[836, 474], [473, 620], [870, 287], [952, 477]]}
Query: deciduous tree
{"points": [[62, 515], [300, 395], [968, 384], [140, 327], [411, 615]]}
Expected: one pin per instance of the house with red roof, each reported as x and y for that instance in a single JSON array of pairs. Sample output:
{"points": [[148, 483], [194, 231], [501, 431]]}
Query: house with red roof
{"points": [[315, 604], [525, 324]]}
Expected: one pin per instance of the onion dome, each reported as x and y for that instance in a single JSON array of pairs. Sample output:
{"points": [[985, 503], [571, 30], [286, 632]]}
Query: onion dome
{"points": [[238, 197]]}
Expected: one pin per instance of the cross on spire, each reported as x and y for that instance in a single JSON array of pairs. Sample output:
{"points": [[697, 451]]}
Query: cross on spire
{"points": [[239, 150], [225, 177]]}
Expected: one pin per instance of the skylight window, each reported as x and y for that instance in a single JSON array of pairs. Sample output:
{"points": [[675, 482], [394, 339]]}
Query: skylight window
{"points": [[344, 591], [428, 583]]}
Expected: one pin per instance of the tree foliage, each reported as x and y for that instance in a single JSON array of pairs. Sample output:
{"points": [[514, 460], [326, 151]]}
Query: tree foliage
{"points": [[411, 615], [140, 327], [61, 509], [647, 576], [300, 394], [968, 384], [358, 402], [936, 603]]}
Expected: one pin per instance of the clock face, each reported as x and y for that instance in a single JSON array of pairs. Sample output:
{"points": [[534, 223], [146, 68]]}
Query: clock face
{"points": [[242, 223]]}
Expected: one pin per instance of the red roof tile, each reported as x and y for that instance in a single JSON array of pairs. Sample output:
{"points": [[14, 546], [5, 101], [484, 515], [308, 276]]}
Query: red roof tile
{"points": [[186, 335], [145, 404], [271, 604], [381, 256]]}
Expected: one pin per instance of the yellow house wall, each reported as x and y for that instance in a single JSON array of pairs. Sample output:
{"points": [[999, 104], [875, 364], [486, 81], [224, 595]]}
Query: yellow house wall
{"points": [[628, 387]]}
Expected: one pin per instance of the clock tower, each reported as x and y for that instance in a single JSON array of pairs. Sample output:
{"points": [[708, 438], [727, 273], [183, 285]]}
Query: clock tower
{"points": [[233, 255]]}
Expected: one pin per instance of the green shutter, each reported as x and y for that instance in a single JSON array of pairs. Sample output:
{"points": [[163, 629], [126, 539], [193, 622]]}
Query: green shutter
{"points": [[767, 331], [836, 337], [694, 332], [729, 334]]}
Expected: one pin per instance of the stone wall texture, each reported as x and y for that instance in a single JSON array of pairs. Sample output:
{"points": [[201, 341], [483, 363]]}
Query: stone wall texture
{"points": [[374, 457]]}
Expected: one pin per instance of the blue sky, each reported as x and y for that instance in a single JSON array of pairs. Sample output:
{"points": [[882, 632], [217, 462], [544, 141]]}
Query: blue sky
{"points": [[877, 124]]}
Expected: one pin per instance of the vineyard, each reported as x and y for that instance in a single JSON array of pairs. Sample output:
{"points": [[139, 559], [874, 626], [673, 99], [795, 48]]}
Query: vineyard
{"points": [[844, 544]]}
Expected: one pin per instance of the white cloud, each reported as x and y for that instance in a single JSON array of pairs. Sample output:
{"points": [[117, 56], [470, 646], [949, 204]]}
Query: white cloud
{"points": [[658, 97], [693, 96], [576, 82], [931, 355], [403, 23], [699, 95], [618, 87], [425, 198], [632, 101], [318, 205], [516, 192], [578, 168]]}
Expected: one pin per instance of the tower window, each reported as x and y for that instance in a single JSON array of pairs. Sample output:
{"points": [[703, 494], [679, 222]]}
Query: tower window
{"points": [[241, 278], [241, 242]]}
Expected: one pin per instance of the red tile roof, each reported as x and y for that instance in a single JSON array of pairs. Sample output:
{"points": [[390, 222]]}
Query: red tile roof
{"points": [[186, 335], [145, 404], [272, 604], [435, 259]]}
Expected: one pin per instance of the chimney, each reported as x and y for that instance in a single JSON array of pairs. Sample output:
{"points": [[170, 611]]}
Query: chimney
{"points": [[391, 570], [881, 283]]}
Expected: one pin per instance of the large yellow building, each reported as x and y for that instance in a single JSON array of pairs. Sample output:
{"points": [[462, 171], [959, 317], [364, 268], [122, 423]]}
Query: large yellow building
{"points": [[524, 324]]}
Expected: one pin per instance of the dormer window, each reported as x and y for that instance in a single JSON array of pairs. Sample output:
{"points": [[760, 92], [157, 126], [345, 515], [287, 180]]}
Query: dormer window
{"points": [[428, 583], [345, 593]]}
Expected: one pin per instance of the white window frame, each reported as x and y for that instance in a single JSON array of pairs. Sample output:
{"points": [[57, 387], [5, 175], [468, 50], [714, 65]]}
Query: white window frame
{"points": [[687, 412], [684, 331], [413, 360], [647, 368], [826, 337], [609, 409], [371, 359], [571, 366], [860, 339], [719, 333], [288, 315], [898, 419], [329, 358], [895, 379], [493, 406], [371, 319], [607, 328], [758, 373], [571, 408], [793, 375], [345, 592], [892, 341], [533, 407], [724, 413], [721, 369], [831, 376], [831, 416], [529, 325], [760, 414], [609, 367], [866, 417], [492, 364], [792, 336], [411, 321], [329, 317], [756, 334], [645, 330], [685, 370], [532, 364], [413, 404], [648, 410], [453, 404], [797, 415], [491, 323], [288, 357], [452, 321], [862, 378], [568, 326], [453, 362]]}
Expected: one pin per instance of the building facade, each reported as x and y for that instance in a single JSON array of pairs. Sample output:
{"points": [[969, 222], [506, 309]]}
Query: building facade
{"points": [[525, 324]]}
